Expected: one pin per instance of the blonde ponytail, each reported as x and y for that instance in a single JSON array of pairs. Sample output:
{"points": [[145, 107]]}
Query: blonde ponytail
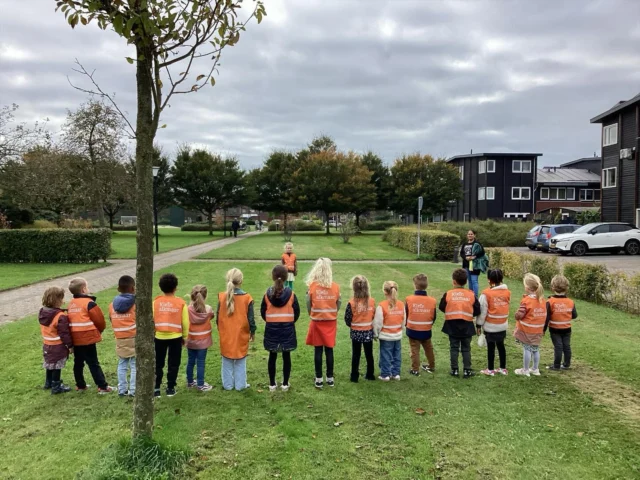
{"points": [[533, 284], [390, 288], [234, 280], [198, 295]]}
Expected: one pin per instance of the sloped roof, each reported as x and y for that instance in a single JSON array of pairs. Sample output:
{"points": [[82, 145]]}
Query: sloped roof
{"points": [[617, 107], [567, 176], [495, 155], [585, 159]]}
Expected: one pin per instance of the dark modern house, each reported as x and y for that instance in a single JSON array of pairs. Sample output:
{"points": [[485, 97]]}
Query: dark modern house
{"points": [[567, 191], [495, 185], [593, 164], [620, 161]]}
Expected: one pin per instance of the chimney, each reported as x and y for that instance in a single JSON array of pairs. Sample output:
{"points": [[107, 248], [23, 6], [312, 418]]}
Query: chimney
{"points": [[594, 155], [471, 152]]}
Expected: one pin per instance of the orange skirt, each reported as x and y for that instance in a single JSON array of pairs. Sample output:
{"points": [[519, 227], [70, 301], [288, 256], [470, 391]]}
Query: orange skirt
{"points": [[322, 333]]}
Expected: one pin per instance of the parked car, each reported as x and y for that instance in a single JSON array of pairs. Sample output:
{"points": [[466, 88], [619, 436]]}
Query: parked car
{"points": [[333, 224], [532, 237], [612, 237], [547, 232]]}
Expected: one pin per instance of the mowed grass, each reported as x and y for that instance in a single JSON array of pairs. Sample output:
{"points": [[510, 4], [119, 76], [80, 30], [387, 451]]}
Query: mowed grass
{"points": [[14, 275], [311, 245], [500, 427], [123, 244]]}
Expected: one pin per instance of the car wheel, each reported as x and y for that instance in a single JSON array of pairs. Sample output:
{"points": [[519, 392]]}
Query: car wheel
{"points": [[579, 249], [632, 247]]}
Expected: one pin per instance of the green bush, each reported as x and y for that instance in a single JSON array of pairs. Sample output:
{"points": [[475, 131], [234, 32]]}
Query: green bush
{"points": [[378, 225], [250, 222], [591, 282], [433, 243], [203, 227], [55, 245], [546, 268], [301, 226], [489, 233], [40, 225], [125, 228]]}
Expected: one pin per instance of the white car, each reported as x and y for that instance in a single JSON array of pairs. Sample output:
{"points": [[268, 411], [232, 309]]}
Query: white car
{"points": [[611, 237]]}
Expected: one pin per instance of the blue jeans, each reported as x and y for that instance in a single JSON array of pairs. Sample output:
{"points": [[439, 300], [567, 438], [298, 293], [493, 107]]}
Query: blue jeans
{"points": [[234, 373], [196, 356], [473, 282], [390, 357], [125, 364]]}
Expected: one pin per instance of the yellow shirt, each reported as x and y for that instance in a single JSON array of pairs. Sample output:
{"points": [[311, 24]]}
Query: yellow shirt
{"points": [[172, 335]]}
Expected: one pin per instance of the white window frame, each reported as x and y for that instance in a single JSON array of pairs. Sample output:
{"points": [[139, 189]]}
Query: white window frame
{"points": [[520, 190], [482, 167], [491, 166], [491, 193], [555, 191], [461, 171], [606, 180], [482, 193], [584, 193], [543, 195], [521, 164], [610, 135], [572, 191]]}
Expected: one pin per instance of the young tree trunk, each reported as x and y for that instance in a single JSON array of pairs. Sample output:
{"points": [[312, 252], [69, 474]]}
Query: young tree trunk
{"points": [[326, 220], [285, 227], [357, 219], [210, 219], [111, 220], [145, 349]]}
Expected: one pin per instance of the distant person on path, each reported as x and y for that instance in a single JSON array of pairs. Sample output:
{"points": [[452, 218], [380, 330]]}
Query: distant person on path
{"points": [[122, 313], [474, 261], [291, 263], [235, 225], [199, 338], [359, 318], [56, 339]]}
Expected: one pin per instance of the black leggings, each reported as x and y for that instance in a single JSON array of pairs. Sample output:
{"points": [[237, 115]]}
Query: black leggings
{"points": [[356, 349], [286, 367], [53, 376], [491, 354], [318, 361]]}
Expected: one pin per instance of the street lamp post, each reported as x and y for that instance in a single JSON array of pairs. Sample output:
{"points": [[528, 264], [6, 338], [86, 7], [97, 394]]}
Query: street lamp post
{"points": [[155, 203]]}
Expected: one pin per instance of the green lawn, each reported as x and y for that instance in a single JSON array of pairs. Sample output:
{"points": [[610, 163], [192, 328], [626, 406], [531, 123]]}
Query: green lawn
{"points": [[310, 246], [123, 244], [14, 275], [501, 427]]}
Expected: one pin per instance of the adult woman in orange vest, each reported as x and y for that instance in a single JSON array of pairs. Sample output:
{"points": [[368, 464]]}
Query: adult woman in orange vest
{"points": [[236, 327], [56, 339], [280, 309], [359, 318], [494, 317], [560, 311], [387, 327], [199, 337], [323, 303], [530, 320]]}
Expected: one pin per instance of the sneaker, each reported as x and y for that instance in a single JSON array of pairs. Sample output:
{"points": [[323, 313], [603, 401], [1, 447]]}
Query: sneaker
{"points": [[330, 382], [565, 367], [104, 391], [454, 373], [83, 389], [427, 369], [535, 371], [248, 385], [285, 388], [502, 371], [469, 373], [205, 387], [171, 392], [122, 394], [396, 377], [415, 373], [273, 388], [132, 394], [384, 379], [156, 392], [553, 367], [319, 383], [59, 387], [522, 371], [191, 384], [487, 372]]}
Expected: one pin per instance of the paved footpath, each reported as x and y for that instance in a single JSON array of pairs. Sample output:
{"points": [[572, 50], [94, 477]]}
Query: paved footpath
{"points": [[21, 302]]}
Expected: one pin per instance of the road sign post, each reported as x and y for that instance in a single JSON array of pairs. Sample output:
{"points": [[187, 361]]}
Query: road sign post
{"points": [[420, 202]]}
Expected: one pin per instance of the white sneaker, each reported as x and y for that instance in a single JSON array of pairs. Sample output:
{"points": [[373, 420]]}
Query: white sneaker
{"points": [[384, 379], [273, 388], [522, 371], [535, 371], [285, 387], [396, 377], [503, 371]]}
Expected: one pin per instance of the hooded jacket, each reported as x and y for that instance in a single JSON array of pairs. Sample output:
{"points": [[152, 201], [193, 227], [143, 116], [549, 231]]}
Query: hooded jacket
{"points": [[97, 317], [122, 303], [55, 353], [197, 318], [280, 337]]}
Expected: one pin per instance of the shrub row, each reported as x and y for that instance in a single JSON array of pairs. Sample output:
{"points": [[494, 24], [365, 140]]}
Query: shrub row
{"points": [[55, 245], [298, 226], [488, 232], [203, 227], [436, 244], [125, 228], [378, 225]]}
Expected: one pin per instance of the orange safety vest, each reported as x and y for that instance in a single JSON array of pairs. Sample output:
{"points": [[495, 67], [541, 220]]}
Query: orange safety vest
{"points": [[561, 312], [124, 324], [167, 314], [50, 332], [234, 329], [421, 312], [78, 313], [498, 302], [460, 305], [392, 318], [536, 316], [282, 314], [199, 331], [362, 314], [289, 261], [324, 302]]}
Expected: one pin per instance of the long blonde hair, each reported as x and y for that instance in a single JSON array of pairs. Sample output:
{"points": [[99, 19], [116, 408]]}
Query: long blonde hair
{"points": [[321, 273], [390, 288], [234, 280], [360, 287], [198, 296], [532, 283]]}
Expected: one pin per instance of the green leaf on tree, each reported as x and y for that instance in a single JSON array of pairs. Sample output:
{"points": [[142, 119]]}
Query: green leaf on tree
{"points": [[130, 60]]}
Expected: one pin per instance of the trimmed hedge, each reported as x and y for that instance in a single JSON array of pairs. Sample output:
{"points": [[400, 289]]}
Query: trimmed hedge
{"points": [[55, 245], [433, 243], [125, 228], [203, 227], [489, 233], [378, 225]]}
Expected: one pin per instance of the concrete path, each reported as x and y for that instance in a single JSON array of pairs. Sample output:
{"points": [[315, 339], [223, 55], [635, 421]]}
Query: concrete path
{"points": [[21, 302]]}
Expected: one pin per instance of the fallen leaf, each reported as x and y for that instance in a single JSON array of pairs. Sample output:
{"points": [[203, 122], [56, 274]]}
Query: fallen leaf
{"points": [[358, 446], [313, 436], [259, 391], [255, 436], [549, 425], [580, 434], [337, 424], [420, 411], [309, 406]]}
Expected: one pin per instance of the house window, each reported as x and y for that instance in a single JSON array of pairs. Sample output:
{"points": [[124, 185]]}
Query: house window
{"points": [[521, 166], [491, 166], [609, 177], [571, 193], [610, 135], [491, 193], [587, 195], [482, 193], [544, 193], [482, 166], [520, 193], [557, 194], [461, 172]]}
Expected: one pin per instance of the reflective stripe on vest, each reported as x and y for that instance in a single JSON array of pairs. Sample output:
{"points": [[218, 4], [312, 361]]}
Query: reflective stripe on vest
{"points": [[124, 324], [324, 302], [289, 261], [199, 330], [421, 311], [536, 316], [362, 314], [167, 314], [234, 328], [392, 318], [78, 313], [561, 312], [283, 314], [498, 301], [50, 332], [459, 305]]}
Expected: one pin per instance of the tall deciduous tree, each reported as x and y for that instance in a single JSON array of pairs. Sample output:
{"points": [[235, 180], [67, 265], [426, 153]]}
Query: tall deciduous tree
{"points": [[18, 138], [117, 187], [380, 177], [178, 46]]}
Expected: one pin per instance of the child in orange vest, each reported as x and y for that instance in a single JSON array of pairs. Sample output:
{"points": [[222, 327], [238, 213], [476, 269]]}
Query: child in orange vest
{"points": [[86, 322], [420, 310], [171, 319], [280, 309], [460, 307], [56, 339], [289, 260], [560, 311], [494, 317], [530, 320], [122, 313], [359, 318], [236, 327], [199, 339], [323, 303], [387, 327]]}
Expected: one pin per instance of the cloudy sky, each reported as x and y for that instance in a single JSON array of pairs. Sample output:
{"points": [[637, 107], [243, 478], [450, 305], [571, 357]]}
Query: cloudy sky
{"points": [[395, 76]]}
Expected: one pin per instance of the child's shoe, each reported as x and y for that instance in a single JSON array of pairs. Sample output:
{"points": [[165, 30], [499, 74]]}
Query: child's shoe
{"points": [[565, 367], [319, 383], [122, 394], [535, 371], [502, 371], [156, 392], [354, 377], [427, 369], [454, 373], [371, 378], [522, 371], [171, 392], [415, 373], [59, 387], [285, 388], [396, 377], [468, 374], [330, 382], [553, 368], [84, 389], [487, 372], [131, 394], [273, 388], [104, 391], [384, 379], [193, 384], [47, 385], [205, 387]]}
